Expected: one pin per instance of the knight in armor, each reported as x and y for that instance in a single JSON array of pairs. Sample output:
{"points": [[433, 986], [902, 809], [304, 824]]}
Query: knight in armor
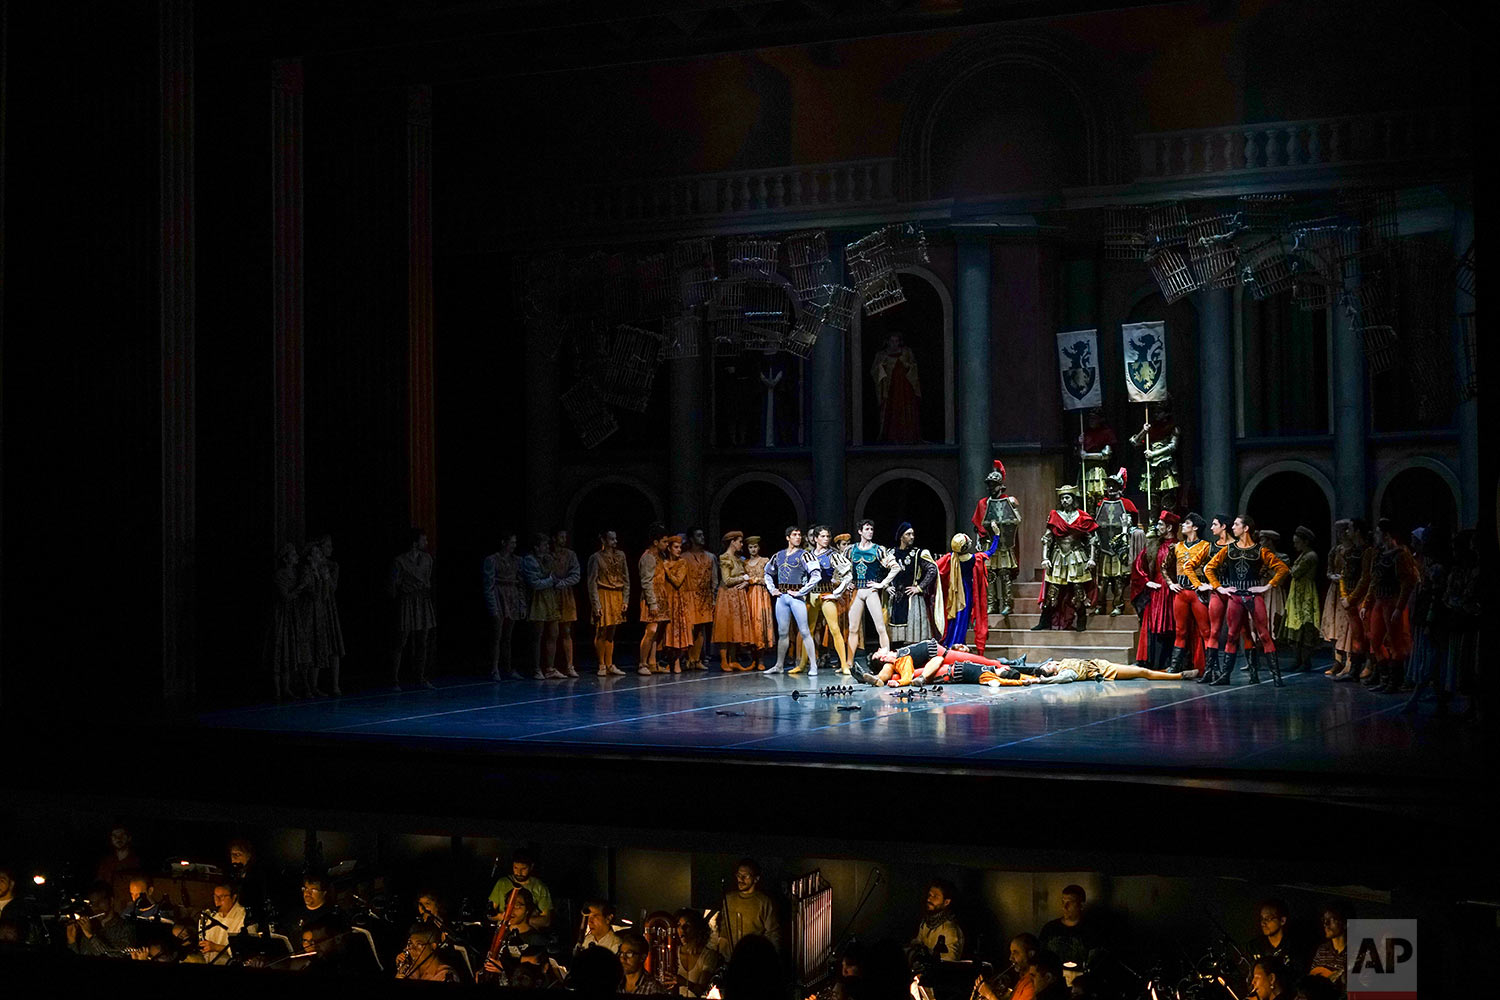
{"points": [[1095, 447], [790, 577], [1393, 577], [1116, 517], [1069, 554], [1243, 572], [998, 517], [872, 569], [1158, 442]]}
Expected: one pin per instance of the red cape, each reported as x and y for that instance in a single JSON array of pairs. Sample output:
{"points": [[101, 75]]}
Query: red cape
{"points": [[980, 617]]}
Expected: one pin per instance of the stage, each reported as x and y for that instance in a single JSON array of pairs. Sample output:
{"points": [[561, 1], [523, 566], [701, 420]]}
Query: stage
{"points": [[1312, 727]]}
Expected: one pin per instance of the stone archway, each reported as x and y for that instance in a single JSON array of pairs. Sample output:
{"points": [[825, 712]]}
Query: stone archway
{"points": [[936, 529], [858, 370], [1283, 495], [1409, 492], [774, 520]]}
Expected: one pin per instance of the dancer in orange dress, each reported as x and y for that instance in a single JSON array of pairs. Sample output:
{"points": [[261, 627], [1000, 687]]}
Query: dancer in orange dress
{"points": [[567, 573], [702, 581], [1354, 585], [733, 624], [653, 587], [608, 586], [762, 611], [677, 633]]}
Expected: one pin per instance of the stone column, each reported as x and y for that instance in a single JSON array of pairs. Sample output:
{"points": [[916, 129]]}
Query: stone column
{"points": [[685, 443], [1219, 490], [421, 447], [971, 360], [829, 472], [541, 442], [288, 438], [1467, 413], [1351, 421], [178, 337]]}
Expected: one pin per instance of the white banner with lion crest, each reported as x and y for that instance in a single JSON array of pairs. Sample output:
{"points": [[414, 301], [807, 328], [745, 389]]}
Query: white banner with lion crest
{"points": [[1078, 363], [1145, 361]]}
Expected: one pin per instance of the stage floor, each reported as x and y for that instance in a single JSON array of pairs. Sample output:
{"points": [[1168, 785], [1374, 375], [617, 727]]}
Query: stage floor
{"points": [[1311, 726]]}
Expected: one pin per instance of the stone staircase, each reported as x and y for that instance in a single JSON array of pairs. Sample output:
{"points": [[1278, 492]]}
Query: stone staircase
{"points": [[1105, 638]]}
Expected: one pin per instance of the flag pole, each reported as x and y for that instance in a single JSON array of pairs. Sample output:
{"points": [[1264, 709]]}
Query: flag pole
{"points": [[1083, 465], [1149, 506]]}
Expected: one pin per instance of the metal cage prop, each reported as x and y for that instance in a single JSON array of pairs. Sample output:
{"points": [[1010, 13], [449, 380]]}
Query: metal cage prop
{"points": [[585, 407], [693, 271], [1125, 233], [808, 263], [682, 336], [1166, 226], [1173, 273], [627, 367], [751, 256], [767, 316], [726, 312], [1212, 250], [1266, 269]]}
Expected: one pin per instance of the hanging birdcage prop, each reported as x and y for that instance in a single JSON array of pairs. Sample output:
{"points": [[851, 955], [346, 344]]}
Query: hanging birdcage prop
{"points": [[1468, 385], [1265, 269], [1426, 365], [585, 407], [1166, 226], [1312, 289], [804, 335], [693, 271], [1374, 212], [726, 312], [1380, 347], [1125, 233], [1212, 250], [627, 367], [831, 315], [1463, 274], [1173, 274], [768, 316], [808, 264], [682, 336], [751, 256], [838, 311], [619, 289], [883, 294], [908, 244], [868, 259], [651, 282], [1263, 213]]}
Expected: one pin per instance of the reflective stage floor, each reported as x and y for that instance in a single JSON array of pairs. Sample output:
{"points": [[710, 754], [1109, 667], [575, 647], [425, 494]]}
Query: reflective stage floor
{"points": [[1310, 728]]}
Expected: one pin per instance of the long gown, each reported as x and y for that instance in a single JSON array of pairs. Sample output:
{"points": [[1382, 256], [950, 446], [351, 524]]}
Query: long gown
{"points": [[907, 617], [762, 615]]}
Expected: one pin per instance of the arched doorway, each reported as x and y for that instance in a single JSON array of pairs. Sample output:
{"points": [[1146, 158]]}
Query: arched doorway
{"points": [[1418, 495], [924, 324], [758, 507], [908, 498], [627, 508], [1286, 499]]}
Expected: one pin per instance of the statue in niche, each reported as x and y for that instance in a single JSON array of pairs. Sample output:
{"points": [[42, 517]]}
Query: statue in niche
{"points": [[780, 414], [898, 388]]}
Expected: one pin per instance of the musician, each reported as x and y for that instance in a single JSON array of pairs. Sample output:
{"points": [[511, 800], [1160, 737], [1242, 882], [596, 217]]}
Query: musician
{"points": [[421, 959], [938, 932], [519, 938], [1047, 981], [748, 910], [1071, 937], [225, 921], [143, 906], [696, 961], [598, 929], [334, 953], [17, 912], [635, 979], [431, 911], [100, 933], [249, 878], [521, 864], [1270, 980], [1023, 949], [318, 905], [1272, 943], [929, 661], [1331, 960]]}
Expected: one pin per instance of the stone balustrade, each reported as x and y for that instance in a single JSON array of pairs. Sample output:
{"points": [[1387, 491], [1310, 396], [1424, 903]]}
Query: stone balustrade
{"points": [[1317, 142]]}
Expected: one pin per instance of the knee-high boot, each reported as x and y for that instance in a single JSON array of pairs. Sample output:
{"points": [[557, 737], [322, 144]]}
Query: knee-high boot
{"points": [[1275, 666], [1225, 675], [1004, 579], [1252, 660], [1080, 608], [1210, 666], [1178, 652]]}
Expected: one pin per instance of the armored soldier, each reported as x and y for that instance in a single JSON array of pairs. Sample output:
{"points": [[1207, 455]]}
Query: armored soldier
{"points": [[1095, 446], [1158, 441], [999, 516], [1115, 516], [1069, 551]]}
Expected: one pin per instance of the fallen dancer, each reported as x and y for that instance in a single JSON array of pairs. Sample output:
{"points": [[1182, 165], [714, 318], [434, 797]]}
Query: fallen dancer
{"points": [[1066, 671], [941, 664]]}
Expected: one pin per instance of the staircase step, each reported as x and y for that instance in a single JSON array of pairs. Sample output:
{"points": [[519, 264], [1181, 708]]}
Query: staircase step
{"points": [[1127, 622], [1036, 654], [1065, 637]]}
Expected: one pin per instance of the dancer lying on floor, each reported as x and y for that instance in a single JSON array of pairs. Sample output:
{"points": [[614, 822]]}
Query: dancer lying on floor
{"points": [[1065, 671], [929, 662]]}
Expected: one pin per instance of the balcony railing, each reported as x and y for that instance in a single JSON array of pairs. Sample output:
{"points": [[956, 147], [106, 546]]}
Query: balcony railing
{"points": [[836, 187], [1318, 142]]}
